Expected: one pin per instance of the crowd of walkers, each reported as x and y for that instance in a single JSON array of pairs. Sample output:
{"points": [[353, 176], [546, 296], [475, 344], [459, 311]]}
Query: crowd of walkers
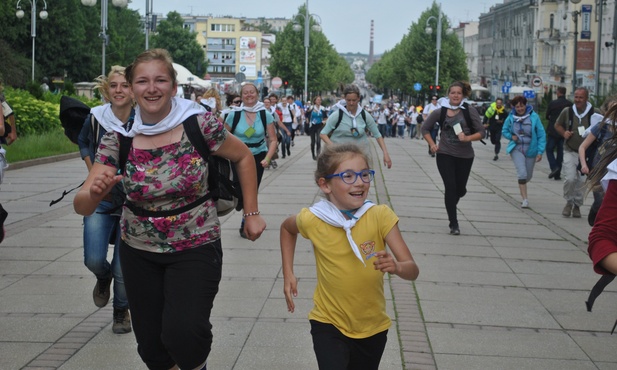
{"points": [[165, 228]]}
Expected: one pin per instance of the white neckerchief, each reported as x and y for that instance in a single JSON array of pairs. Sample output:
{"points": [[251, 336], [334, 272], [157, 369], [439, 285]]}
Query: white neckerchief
{"points": [[210, 102], [445, 102], [328, 213], [106, 117], [580, 116], [255, 108], [181, 109], [342, 105]]}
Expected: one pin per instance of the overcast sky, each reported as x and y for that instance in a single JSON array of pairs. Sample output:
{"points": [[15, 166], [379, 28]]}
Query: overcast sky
{"points": [[345, 23]]}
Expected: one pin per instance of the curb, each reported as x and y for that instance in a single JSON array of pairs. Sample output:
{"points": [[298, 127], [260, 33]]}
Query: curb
{"points": [[44, 160]]}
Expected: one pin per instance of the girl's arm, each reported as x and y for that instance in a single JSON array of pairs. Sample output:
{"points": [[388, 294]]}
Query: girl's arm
{"points": [[402, 264], [289, 235], [581, 152], [237, 152]]}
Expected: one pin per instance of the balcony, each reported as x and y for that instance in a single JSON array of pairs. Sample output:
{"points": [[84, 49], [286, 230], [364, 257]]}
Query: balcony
{"points": [[219, 47]]}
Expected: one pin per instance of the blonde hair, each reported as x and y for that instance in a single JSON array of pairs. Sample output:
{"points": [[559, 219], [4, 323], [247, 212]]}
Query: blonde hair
{"points": [[149, 56], [213, 93], [102, 82]]}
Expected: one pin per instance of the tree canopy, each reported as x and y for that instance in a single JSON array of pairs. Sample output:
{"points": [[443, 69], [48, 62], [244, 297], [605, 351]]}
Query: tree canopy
{"points": [[413, 59], [67, 42], [326, 68]]}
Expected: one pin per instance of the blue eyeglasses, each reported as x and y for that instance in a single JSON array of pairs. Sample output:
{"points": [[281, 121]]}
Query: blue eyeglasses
{"points": [[350, 177]]}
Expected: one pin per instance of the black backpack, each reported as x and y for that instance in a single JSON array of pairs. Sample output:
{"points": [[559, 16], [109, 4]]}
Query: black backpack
{"points": [[73, 113], [472, 130], [221, 187]]}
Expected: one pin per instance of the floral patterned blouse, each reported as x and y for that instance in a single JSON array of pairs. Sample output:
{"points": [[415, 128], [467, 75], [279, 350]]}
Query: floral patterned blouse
{"points": [[166, 178]]}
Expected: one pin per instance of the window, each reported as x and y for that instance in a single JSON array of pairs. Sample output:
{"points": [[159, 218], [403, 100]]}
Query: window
{"points": [[217, 27]]}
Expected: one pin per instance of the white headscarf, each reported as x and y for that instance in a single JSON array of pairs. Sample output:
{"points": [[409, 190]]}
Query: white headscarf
{"points": [[328, 213], [181, 109], [255, 108]]}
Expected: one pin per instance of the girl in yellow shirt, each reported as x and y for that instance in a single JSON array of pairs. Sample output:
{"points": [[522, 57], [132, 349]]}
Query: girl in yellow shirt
{"points": [[349, 234]]}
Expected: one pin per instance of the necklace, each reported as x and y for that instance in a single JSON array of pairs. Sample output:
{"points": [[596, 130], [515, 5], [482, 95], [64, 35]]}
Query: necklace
{"points": [[249, 120], [158, 144]]}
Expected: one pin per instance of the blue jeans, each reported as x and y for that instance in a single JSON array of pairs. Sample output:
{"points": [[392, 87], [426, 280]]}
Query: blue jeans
{"points": [[97, 231], [286, 144], [401, 131], [553, 143]]}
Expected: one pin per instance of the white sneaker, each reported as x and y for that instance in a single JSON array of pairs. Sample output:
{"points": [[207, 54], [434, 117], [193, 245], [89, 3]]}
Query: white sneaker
{"points": [[525, 204]]}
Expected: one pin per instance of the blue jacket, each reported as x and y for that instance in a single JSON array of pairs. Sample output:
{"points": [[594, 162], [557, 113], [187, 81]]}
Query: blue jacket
{"points": [[538, 135]]}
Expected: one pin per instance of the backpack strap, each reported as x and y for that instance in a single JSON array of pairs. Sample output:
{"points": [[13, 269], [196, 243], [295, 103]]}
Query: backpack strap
{"points": [[95, 131], [340, 118], [195, 136], [235, 121], [262, 115], [466, 115]]}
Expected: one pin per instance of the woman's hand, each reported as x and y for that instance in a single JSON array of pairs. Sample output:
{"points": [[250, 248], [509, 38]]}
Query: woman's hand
{"points": [[538, 157], [103, 183], [515, 138], [434, 148], [584, 169], [462, 137], [254, 226]]}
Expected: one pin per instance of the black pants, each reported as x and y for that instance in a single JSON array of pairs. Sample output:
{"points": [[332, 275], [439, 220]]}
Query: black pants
{"points": [[171, 297], [454, 172], [314, 131], [335, 351], [495, 131]]}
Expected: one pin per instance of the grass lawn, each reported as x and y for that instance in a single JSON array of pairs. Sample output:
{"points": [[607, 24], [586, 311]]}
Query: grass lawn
{"points": [[38, 146]]}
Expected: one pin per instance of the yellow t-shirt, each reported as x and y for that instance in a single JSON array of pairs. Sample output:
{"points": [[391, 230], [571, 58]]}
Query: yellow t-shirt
{"points": [[349, 295]]}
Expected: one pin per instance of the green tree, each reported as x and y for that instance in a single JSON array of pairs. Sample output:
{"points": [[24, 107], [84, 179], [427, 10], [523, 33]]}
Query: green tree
{"points": [[326, 69], [67, 42], [180, 42], [414, 58]]}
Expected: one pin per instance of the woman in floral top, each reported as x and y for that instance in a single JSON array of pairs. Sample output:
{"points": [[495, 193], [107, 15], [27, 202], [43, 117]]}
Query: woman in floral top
{"points": [[171, 265]]}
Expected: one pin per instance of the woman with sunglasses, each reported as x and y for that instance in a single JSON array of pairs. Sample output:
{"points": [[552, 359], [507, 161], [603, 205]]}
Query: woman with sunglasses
{"points": [[525, 131]]}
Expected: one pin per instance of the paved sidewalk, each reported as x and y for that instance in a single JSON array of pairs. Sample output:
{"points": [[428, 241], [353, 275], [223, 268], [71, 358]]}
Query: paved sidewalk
{"points": [[508, 293]]}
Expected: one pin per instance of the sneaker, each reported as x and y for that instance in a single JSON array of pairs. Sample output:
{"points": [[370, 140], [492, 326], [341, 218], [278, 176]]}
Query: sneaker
{"points": [[242, 234], [455, 230], [122, 321], [554, 173], [576, 212], [101, 292], [274, 164], [525, 204], [496, 157], [567, 210], [292, 143]]}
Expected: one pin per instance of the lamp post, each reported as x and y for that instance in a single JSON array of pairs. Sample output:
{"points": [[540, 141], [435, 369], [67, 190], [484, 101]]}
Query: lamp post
{"points": [[43, 14], [147, 24], [103, 34], [429, 31], [317, 28], [575, 15]]}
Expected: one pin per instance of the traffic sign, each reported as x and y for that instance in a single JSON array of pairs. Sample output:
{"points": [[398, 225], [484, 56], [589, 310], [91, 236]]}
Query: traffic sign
{"points": [[417, 86], [508, 84], [240, 77], [505, 89], [529, 94], [277, 82], [537, 81]]}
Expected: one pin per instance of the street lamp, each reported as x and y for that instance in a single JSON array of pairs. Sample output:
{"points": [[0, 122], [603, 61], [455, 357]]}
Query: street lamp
{"points": [[103, 35], [429, 30], [43, 14], [147, 24], [297, 28], [575, 15]]}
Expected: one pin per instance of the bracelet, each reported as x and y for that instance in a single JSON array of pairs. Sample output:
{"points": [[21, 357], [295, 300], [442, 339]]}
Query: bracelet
{"points": [[267, 159], [256, 213]]}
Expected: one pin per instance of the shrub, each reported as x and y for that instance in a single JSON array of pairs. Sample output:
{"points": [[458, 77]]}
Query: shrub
{"points": [[34, 116]]}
